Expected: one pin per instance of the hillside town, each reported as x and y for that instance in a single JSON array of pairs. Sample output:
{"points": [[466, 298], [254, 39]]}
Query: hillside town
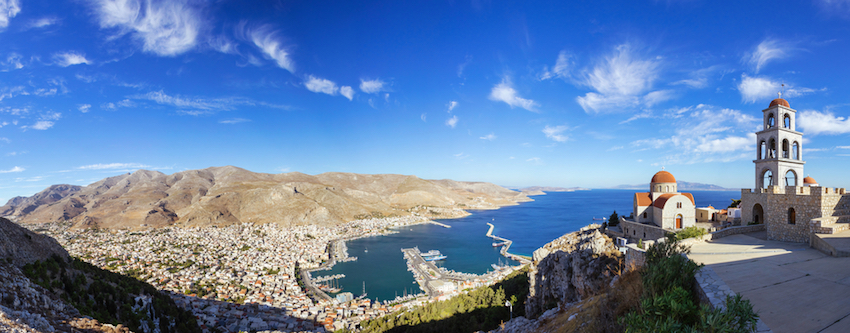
{"points": [[246, 277]]}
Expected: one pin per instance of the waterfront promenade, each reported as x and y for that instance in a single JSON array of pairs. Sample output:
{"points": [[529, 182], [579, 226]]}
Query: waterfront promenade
{"points": [[794, 288]]}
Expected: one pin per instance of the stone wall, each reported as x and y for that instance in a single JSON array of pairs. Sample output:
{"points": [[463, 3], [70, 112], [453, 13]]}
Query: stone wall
{"points": [[808, 203], [634, 231], [736, 230], [635, 256]]}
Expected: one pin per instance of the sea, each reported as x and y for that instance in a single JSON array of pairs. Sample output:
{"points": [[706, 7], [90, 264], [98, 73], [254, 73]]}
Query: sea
{"points": [[380, 269]]}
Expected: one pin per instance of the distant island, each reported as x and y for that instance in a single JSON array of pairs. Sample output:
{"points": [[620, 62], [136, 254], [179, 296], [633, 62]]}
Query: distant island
{"points": [[541, 190], [682, 186]]}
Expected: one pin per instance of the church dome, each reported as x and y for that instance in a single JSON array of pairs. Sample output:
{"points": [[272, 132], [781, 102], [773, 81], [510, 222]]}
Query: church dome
{"points": [[663, 177], [779, 101], [809, 180]]}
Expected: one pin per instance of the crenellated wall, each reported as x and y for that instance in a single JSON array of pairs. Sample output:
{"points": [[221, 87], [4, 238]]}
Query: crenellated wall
{"points": [[818, 204]]}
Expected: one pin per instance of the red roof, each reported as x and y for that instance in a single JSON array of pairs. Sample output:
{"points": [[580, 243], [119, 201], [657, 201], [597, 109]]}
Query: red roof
{"points": [[662, 199], [663, 177], [643, 199], [779, 101]]}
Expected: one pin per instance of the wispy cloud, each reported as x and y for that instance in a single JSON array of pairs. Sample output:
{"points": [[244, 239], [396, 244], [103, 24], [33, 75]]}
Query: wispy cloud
{"points": [[70, 58], [267, 40], [560, 70], [234, 121], [535, 160], [15, 169], [699, 78], [462, 66], [347, 91], [200, 104], [84, 108], [835, 7], [767, 51], [371, 86], [8, 10], [621, 82], [110, 166], [452, 122], [319, 85], [704, 134], [753, 89], [13, 61], [42, 125], [556, 133], [505, 92], [165, 28], [460, 155], [452, 105], [489, 137], [42, 22], [817, 122]]}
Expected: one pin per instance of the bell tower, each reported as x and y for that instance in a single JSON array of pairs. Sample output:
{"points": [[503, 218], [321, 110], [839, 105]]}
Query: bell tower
{"points": [[779, 147]]}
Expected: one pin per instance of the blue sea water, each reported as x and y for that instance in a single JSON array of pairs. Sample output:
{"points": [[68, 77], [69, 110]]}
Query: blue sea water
{"points": [[529, 225]]}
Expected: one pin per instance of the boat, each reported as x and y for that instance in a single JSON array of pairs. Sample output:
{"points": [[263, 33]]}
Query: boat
{"points": [[497, 244], [600, 219], [431, 253], [440, 257]]}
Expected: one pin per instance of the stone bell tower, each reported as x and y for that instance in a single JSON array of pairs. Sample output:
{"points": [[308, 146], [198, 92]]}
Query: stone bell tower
{"points": [[779, 147]]}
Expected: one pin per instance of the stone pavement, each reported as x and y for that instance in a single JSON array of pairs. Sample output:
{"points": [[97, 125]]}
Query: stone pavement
{"points": [[793, 287]]}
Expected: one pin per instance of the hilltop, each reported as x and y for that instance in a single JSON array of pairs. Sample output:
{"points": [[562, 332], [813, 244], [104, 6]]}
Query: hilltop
{"points": [[230, 195], [681, 186]]}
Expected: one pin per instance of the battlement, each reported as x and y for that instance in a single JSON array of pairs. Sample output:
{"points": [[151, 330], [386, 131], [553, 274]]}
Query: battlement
{"points": [[798, 190]]}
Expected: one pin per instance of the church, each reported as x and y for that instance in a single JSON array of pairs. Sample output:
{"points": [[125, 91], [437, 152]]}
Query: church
{"points": [[792, 210], [663, 205]]}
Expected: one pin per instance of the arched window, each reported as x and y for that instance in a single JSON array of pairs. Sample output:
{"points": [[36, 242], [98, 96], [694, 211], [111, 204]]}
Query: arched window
{"points": [[762, 150], [768, 178], [667, 188], [786, 121], [785, 149], [792, 216], [790, 178], [771, 121], [795, 150], [772, 149]]}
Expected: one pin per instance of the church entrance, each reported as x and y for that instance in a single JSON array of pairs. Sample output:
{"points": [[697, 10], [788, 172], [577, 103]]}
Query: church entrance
{"points": [[679, 221], [758, 214]]}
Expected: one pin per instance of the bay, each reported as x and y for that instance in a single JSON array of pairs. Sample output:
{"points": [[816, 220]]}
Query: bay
{"points": [[530, 225]]}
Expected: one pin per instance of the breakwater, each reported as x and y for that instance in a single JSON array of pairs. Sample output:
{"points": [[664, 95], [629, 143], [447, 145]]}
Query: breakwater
{"points": [[506, 246]]}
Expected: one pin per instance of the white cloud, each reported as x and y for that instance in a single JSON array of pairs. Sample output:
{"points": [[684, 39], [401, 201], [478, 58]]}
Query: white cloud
{"points": [[535, 160], [839, 147], [267, 40], [8, 10], [488, 137], [757, 88], [197, 103], [165, 28], [234, 121], [84, 108], [620, 81], [555, 133], [371, 86], [504, 92], [43, 22], [15, 169], [113, 166], [816, 122], [452, 122], [460, 155], [42, 125], [452, 105], [423, 116], [766, 51], [704, 133], [70, 58], [615, 148], [318, 85], [560, 70], [699, 78], [347, 91]]}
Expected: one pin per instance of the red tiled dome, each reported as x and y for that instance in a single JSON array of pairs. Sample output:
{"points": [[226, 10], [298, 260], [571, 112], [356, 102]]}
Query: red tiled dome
{"points": [[809, 180], [663, 177], [779, 101]]}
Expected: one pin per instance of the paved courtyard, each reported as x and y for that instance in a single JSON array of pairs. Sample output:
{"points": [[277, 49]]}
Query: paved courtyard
{"points": [[793, 287]]}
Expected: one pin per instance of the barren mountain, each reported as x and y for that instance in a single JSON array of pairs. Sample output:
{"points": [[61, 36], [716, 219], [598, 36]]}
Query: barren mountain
{"points": [[228, 195]]}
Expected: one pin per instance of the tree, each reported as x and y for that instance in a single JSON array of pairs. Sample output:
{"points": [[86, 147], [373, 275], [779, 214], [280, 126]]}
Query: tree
{"points": [[735, 203], [614, 219]]}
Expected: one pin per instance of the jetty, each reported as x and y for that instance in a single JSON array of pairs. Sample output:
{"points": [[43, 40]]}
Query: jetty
{"points": [[440, 224], [506, 245]]}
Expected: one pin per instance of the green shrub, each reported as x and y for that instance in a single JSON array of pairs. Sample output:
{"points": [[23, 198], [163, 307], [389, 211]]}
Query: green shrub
{"points": [[690, 232]]}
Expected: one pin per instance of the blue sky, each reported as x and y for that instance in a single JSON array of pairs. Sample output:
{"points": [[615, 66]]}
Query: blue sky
{"points": [[560, 93]]}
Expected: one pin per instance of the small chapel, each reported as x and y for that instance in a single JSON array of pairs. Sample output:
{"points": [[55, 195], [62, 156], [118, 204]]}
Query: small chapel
{"points": [[663, 205]]}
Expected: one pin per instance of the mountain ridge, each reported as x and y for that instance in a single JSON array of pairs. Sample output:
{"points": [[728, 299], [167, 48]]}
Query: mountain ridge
{"points": [[229, 195]]}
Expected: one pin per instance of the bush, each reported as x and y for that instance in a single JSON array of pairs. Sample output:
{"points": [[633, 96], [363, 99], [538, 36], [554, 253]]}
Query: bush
{"points": [[690, 232], [614, 219]]}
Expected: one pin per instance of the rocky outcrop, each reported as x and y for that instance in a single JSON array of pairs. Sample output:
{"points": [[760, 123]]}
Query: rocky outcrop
{"points": [[21, 246], [230, 195], [571, 268]]}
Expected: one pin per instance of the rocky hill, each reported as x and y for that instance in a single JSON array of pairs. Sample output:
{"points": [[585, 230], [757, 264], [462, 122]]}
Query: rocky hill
{"points": [[20, 246], [681, 186], [229, 195]]}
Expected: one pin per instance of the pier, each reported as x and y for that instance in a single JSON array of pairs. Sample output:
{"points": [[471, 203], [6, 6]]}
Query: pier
{"points": [[440, 224], [432, 280], [507, 245]]}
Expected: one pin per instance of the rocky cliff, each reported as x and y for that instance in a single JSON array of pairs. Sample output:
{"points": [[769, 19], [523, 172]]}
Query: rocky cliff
{"points": [[20, 246], [229, 195], [571, 268]]}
